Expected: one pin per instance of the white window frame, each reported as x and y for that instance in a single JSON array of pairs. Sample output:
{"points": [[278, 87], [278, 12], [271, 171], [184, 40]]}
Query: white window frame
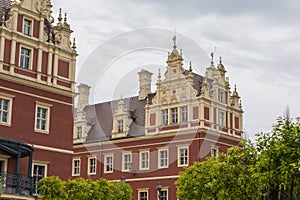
{"points": [[30, 27], [184, 114], [9, 98], [222, 117], [74, 167], [127, 163], [47, 124], [160, 166], [174, 115], [221, 96], [120, 126], [105, 163], [179, 149], [214, 151], [79, 132], [143, 190], [146, 161], [22, 57], [165, 116], [164, 190], [92, 170], [42, 164]]}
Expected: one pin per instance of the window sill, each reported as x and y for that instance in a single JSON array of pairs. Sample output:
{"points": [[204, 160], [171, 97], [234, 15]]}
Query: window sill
{"points": [[5, 124], [46, 132]]}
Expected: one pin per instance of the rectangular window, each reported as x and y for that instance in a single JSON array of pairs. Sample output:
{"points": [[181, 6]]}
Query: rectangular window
{"points": [[27, 27], [222, 118], [144, 160], [165, 120], [120, 126], [221, 96], [184, 114], [108, 163], [164, 195], [127, 161], [143, 195], [76, 167], [25, 58], [214, 152], [183, 156], [174, 112], [4, 110], [163, 158], [79, 131], [92, 163], [41, 119], [39, 172]]}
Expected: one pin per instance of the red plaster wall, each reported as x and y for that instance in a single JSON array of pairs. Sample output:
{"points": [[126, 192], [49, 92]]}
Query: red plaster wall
{"points": [[7, 48], [36, 29], [63, 68]]}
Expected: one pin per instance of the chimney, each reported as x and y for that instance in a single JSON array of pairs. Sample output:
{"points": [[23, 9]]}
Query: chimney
{"points": [[145, 84], [83, 99]]}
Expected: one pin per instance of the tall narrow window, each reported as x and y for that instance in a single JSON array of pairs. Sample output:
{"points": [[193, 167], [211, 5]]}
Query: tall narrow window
{"points": [[4, 106], [183, 156], [164, 195], [222, 118], [25, 58], [39, 172], [221, 96], [184, 114], [174, 112], [144, 160], [120, 126], [27, 27], [163, 158], [79, 131], [127, 162], [108, 164], [165, 117], [41, 118], [92, 166], [143, 195], [76, 167], [214, 152]]}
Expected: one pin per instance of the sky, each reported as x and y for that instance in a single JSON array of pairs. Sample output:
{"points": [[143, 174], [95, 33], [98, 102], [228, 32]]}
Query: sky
{"points": [[258, 40]]}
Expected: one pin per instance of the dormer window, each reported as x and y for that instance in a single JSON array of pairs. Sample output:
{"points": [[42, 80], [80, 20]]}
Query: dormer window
{"points": [[79, 131], [174, 112], [120, 126], [221, 96], [165, 117], [27, 27]]}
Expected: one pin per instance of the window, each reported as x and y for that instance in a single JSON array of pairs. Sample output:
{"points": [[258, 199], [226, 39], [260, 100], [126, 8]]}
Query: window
{"points": [[127, 161], [120, 126], [25, 58], [214, 152], [79, 131], [42, 117], [221, 96], [76, 167], [165, 117], [4, 110], [27, 27], [164, 195], [183, 153], [39, 172], [144, 160], [184, 114], [221, 118], [143, 195], [174, 112], [163, 158], [108, 162], [92, 165]]}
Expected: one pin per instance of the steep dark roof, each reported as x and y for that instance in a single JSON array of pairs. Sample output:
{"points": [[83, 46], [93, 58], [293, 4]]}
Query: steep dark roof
{"points": [[4, 8], [100, 117], [197, 81]]}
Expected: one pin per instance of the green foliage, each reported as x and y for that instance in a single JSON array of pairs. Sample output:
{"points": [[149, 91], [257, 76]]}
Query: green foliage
{"points": [[269, 167], [52, 188], [79, 189]]}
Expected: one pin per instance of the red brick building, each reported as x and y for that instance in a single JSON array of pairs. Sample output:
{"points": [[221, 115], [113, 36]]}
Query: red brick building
{"points": [[150, 138], [37, 72]]}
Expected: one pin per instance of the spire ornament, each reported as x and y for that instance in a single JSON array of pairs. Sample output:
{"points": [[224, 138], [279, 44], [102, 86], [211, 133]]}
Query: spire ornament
{"points": [[212, 58], [65, 19], [59, 17], [174, 41], [74, 44], [190, 70]]}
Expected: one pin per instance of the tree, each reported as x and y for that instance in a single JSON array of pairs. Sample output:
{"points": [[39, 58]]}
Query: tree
{"points": [[279, 164], [52, 188]]}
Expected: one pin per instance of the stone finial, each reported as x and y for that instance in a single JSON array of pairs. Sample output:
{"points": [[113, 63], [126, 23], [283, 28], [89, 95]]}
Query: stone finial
{"points": [[3, 18], [59, 16], [65, 18], [174, 40], [74, 44], [191, 69], [212, 58]]}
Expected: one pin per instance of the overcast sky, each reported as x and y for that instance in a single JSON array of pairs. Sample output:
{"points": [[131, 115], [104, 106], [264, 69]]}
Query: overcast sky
{"points": [[258, 40]]}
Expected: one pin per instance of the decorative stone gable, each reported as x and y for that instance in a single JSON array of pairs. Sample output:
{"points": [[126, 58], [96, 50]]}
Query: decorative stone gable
{"points": [[121, 120]]}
